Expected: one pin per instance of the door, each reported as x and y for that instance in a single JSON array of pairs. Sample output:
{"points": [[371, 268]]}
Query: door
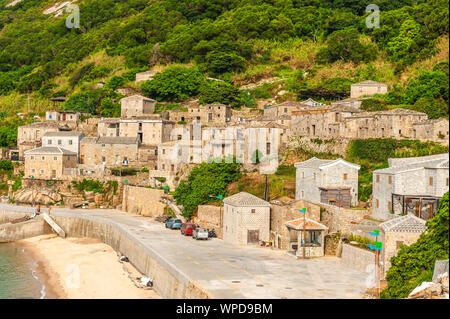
{"points": [[210, 117], [53, 173], [64, 117], [82, 159], [252, 236], [417, 209], [431, 210]]}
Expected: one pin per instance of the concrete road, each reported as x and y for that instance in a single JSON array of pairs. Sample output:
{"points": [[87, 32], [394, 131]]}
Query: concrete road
{"points": [[230, 271]]}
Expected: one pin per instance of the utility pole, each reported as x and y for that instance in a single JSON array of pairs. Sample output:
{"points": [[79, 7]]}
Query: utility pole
{"points": [[377, 247], [266, 189], [304, 231]]}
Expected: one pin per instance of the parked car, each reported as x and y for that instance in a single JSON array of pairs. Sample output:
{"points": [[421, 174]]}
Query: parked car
{"points": [[170, 222], [187, 229], [176, 224], [200, 233]]}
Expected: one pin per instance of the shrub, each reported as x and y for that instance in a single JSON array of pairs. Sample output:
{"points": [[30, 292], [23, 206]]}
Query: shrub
{"points": [[175, 83], [220, 92]]}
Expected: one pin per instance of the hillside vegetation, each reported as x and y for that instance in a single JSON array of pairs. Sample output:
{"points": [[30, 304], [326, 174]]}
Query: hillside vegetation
{"points": [[316, 47]]}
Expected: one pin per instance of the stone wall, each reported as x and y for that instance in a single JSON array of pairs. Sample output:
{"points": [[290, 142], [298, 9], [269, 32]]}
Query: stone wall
{"points": [[12, 232], [357, 258], [336, 218], [282, 212], [143, 201], [210, 217]]}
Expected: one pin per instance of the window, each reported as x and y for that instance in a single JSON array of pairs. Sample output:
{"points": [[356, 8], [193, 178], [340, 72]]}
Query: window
{"points": [[303, 194], [378, 178], [345, 177], [446, 181], [33, 170], [42, 171], [390, 179], [55, 158], [303, 175], [49, 142], [70, 142], [43, 158], [253, 211], [163, 166], [285, 110], [376, 203], [59, 142], [399, 244], [431, 181], [32, 157], [314, 176], [389, 205], [103, 159]]}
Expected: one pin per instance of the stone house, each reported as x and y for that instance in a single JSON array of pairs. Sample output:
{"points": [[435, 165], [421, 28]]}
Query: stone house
{"points": [[333, 182], [169, 158], [310, 244], [30, 136], [396, 123], [210, 114], [108, 127], [410, 185], [69, 140], [145, 76], [350, 102], [367, 88], [311, 102], [64, 116], [432, 130], [246, 219], [404, 230], [136, 105], [98, 153], [285, 108], [50, 163], [149, 131]]}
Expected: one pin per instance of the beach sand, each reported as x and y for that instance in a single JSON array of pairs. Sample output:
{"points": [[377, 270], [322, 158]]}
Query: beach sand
{"points": [[83, 268]]}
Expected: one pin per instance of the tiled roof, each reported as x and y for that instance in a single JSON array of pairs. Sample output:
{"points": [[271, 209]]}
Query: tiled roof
{"points": [[319, 163], [117, 140], [432, 163], [49, 150], [42, 124], [369, 83], [404, 224], [138, 96], [63, 133], [309, 225], [245, 199]]}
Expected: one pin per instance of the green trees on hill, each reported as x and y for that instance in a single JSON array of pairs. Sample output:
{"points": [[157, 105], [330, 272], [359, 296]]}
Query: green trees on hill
{"points": [[204, 183], [415, 264]]}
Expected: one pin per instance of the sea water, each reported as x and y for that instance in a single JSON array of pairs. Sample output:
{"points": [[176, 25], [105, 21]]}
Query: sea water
{"points": [[18, 274]]}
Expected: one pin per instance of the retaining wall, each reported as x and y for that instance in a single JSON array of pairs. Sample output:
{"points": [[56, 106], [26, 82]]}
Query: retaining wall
{"points": [[357, 258], [168, 280]]}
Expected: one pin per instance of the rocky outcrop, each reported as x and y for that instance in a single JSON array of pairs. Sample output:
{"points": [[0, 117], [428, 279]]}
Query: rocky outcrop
{"points": [[40, 196], [437, 289]]}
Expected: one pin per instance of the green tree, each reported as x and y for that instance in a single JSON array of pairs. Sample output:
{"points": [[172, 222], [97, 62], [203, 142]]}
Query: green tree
{"points": [[220, 92], [175, 83], [204, 183]]}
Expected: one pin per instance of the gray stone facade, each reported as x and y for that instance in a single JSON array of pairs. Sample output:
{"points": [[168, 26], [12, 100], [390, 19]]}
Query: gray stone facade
{"points": [[315, 173], [426, 177]]}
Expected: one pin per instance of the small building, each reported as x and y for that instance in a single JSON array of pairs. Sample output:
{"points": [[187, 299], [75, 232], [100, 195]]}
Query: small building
{"points": [[63, 116], [327, 181], [30, 136], [311, 102], [136, 105], [69, 140], [404, 230], [50, 163], [312, 244], [246, 219], [145, 76], [410, 185], [367, 88]]}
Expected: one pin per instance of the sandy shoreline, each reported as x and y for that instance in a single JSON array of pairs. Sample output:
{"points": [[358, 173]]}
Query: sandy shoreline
{"points": [[83, 268]]}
